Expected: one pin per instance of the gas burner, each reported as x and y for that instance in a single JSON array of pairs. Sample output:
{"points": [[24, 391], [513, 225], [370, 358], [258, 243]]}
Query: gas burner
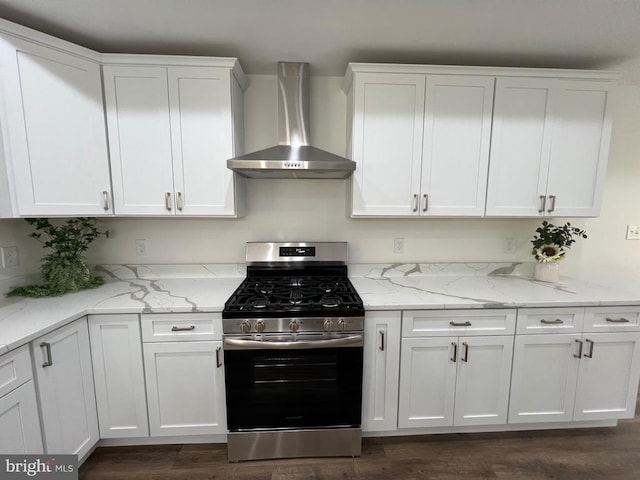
{"points": [[264, 288], [328, 287], [330, 302], [296, 296], [259, 303]]}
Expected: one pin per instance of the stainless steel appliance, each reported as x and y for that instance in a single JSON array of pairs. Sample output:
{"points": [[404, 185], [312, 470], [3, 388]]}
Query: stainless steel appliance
{"points": [[293, 335], [293, 157]]}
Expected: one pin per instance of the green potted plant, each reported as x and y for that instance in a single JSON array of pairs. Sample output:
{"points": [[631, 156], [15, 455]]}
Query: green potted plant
{"points": [[64, 269], [550, 245]]}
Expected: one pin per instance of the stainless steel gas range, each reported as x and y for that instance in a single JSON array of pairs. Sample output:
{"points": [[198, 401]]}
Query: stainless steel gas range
{"points": [[293, 340]]}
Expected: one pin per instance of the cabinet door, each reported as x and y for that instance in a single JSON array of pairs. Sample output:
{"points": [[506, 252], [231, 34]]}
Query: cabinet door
{"points": [[118, 373], [56, 143], [608, 376], [185, 385], [137, 104], [381, 370], [520, 146], [202, 140], [387, 144], [19, 422], [427, 382], [579, 149], [543, 385], [484, 376], [65, 387], [457, 131]]}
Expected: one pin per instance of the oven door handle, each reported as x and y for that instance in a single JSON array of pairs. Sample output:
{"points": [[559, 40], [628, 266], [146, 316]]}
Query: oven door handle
{"points": [[240, 344]]}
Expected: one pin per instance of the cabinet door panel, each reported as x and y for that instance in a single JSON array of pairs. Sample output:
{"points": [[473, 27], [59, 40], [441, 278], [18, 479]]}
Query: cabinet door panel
{"points": [[381, 370], [427, 382], [484, 376], [543, 384], [139, 139], [387, 143], [580, 148], [116, 350], [57, 138], [19, 422], [67, 397], [457, 132], [608, 381], [520, 146], [202, 140], [185, 388]]}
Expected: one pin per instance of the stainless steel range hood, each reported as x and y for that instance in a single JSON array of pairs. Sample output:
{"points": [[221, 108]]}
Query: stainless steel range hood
{"points": [[293, 157]]}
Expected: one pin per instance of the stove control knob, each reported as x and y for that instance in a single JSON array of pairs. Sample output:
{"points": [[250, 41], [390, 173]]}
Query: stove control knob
{"points": [[294, 326], [260, 326], [245, 326], [342, 324], [328, 324]]}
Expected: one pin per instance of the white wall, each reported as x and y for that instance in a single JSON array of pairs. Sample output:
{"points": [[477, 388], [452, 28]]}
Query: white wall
{"points": [[315, 209]]}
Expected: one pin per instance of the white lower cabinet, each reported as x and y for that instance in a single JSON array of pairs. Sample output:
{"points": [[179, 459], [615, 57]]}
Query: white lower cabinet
{"points": [[64, 380], [19, 418], [118, 372], [381, 370], [454, 380]]}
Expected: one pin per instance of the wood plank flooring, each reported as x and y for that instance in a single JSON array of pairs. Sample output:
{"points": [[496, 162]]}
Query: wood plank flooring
{"points": [[584, 454]]}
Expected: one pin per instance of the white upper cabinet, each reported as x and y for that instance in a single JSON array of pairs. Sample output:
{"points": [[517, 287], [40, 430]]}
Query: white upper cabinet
{"points": [[53, 132], [171, 130], [421, 143], [549, 148]]}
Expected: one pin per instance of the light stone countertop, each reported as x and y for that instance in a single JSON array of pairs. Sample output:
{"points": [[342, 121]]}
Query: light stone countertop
{"points": [[205, 288]]}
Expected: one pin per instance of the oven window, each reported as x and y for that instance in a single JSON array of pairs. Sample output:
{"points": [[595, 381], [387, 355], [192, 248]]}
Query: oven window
{"points": [[294, 388]]}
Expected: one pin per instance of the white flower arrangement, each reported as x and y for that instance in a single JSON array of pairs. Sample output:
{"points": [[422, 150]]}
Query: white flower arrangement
{"points": [[551, 242]]}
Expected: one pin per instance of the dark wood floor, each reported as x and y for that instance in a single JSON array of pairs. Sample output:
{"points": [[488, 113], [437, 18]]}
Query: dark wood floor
{"points": [[585, 454]]}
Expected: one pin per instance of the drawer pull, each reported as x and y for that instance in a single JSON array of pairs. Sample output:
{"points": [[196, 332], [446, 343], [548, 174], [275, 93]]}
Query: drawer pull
{"points": [[218, 362], [182, 329], [590, 354], [47, 350], [557, 321], [460, 324], [455, 352], [466, 352], [617, 320], [579, 354]]}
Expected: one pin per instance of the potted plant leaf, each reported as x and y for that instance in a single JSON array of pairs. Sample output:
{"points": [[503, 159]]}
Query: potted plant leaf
{"points": [[64, 269], [550, 246]]}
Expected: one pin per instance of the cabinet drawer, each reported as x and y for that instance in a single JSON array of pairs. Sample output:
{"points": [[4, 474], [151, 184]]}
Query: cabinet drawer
{"points": [[177, 327], [550, 320], [15, 369], [431, 323], [612, 319]]}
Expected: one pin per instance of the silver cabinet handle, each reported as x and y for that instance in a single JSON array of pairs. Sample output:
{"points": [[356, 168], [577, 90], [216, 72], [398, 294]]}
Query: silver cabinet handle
{"points": [[242, 344], [179, 202], [47, 351], [557, 321], [415, 202], [590, 354], [425, 202], [543, 200], [460, 324], [552, 201], [454, 358], [579, 354], [105, 198], [617, 320], [466, 352], [167, 201], [381, 342], [218, 362], [175, 328]]}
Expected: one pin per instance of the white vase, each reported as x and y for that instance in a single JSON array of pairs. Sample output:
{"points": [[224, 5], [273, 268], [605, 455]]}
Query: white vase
{"points": [[547, 272]]}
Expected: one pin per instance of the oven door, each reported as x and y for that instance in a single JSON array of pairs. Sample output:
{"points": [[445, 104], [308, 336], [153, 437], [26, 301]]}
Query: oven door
{"points": [[293, 381]]}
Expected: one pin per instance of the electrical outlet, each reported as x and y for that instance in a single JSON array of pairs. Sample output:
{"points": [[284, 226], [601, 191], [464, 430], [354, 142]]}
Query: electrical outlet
{"points": [[633, 232], [398, 245], [141, 247], [9, 257], [509, 245]]}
